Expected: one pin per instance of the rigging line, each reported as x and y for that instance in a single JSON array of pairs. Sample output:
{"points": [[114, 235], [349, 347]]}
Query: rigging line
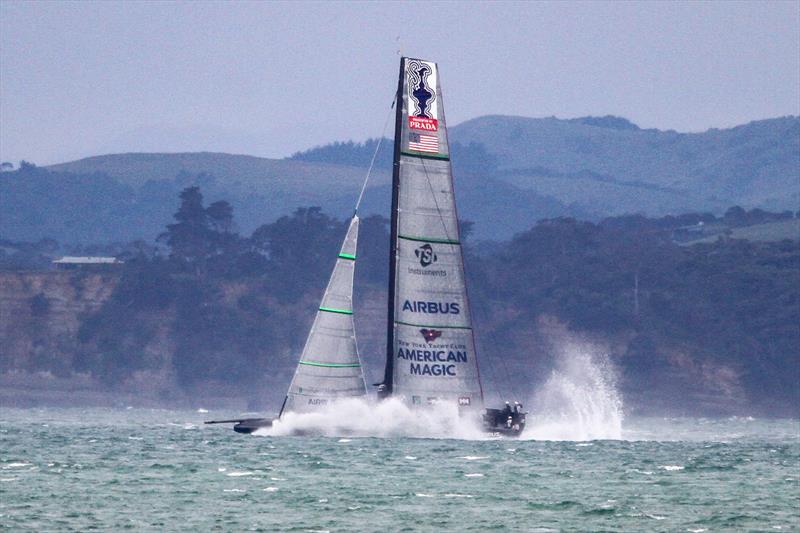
{"points": [[508, 379], [473, 316], [436, 202], [493, 377], [374, 155]]}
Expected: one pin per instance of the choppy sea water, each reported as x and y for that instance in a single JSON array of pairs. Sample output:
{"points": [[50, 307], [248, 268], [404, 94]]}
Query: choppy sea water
{"points": [[138, 469]]}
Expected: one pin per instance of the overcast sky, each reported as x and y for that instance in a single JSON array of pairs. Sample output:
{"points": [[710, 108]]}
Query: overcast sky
{"points": [[269, 78]]}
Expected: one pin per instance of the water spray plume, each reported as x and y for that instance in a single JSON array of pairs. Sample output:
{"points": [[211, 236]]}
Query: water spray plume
{"points": [[580, 400]]}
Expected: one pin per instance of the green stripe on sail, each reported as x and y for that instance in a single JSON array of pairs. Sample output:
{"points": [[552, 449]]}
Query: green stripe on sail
{"points": [[424, 155], [332, 310], [348, 256], [427, 326], [424, 239], [331, 365]]}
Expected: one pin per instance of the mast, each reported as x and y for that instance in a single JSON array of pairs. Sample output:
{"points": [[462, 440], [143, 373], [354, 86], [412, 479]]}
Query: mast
{"points": [[430, 349], [385, 388]]}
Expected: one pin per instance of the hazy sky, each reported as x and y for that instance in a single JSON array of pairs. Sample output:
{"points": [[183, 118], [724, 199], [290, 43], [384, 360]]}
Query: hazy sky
{"points": [[271, 78]]}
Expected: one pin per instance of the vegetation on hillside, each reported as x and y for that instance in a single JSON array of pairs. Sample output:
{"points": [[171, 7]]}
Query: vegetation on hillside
{"points": [[686, 323]]}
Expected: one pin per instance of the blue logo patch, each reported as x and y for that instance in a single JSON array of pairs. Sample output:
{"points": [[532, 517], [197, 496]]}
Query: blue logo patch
{"points": [[420, 89]]}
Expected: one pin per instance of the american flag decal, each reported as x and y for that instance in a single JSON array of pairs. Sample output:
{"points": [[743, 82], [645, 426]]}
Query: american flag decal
{"points": [[423, 143]]}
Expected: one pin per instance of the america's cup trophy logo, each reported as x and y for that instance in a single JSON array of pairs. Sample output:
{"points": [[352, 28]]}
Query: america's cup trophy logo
{"points": [[422, 96]]}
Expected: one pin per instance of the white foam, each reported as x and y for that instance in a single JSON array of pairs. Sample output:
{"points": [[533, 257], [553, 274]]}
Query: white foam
{"points": [[271, 489], [473, 475], [14, 465], [411, 458], [240, 474], [474, 457], [233, 490], [671, 468], [580, 400], [388, 418]]}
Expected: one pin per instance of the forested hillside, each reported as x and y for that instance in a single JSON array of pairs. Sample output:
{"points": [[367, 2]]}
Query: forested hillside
{"points": [[707, 328]]}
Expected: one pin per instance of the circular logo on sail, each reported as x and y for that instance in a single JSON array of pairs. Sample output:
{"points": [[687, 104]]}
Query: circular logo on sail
{"points": [[426, 255]]}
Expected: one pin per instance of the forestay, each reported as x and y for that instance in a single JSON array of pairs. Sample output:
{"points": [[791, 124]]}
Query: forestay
{"points": [[430, 352], [329, 367]]}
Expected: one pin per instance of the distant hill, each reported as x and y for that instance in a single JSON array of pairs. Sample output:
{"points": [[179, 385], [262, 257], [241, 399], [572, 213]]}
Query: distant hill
{"points": [[509, 171], [140, 191], [616, 167]]}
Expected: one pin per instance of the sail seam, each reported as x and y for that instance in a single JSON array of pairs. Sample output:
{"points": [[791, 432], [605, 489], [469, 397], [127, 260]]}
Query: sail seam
{"points": [[423, 155], [426, 239], [429, 326], [336, 397], [332, 310], [331, 365]]}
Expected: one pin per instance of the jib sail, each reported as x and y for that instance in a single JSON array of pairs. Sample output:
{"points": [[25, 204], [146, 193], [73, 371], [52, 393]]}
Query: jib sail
{"points": [[330, 367], [430, 349]]}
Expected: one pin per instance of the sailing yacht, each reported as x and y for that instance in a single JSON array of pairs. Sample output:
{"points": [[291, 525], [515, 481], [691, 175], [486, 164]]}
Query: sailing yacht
{"points": [[430, 349]]}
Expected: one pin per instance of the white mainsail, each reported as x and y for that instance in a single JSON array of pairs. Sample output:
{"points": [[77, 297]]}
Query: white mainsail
{"points": [[329, 367], [430, 351]]}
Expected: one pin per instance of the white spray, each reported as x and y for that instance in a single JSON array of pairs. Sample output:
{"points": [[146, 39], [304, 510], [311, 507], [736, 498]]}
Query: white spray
{"points": [[388, 418], [580, 400]]}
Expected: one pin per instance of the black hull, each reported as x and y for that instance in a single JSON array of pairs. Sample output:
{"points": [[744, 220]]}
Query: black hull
{"points": [[245, 425], [510, 433], [503, 423]]}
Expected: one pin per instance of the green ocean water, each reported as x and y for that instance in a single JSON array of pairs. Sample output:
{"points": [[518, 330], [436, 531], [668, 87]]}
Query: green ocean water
{"points": [[103, 469]]}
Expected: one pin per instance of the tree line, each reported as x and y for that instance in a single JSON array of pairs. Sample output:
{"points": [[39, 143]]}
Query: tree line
{"points": [[207, 303]]}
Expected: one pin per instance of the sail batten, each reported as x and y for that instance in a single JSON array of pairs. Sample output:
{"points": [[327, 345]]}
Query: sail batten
{"points": [[330, 367], [430, 349]]}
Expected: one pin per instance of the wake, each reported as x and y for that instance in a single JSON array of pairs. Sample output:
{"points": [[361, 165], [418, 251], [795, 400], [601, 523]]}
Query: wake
{"points": [[388, 418]]}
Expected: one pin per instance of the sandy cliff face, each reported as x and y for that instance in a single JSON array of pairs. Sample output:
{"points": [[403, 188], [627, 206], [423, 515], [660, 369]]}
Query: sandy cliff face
{"points": [[40, 315]]}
